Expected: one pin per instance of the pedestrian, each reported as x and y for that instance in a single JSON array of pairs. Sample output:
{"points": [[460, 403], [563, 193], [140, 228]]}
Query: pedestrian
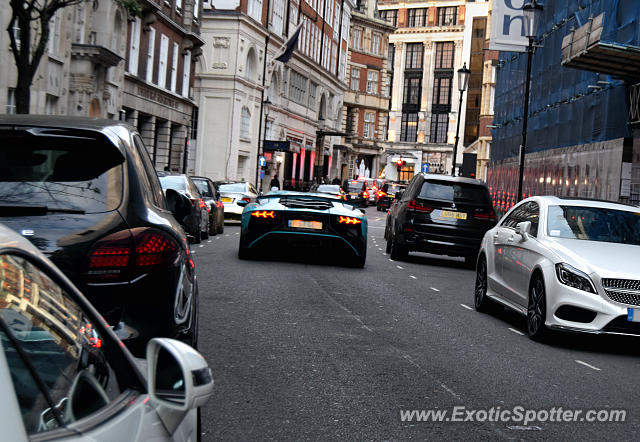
{"points": [[275, 183], [336, 180]]}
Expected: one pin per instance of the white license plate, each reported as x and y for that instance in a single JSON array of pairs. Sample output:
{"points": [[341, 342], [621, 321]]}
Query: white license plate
{"points": [[633, 314], [450, 214], [302, 224]]}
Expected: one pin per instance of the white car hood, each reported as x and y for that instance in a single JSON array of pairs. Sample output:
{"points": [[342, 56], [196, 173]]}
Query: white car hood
{"points": [[607, 259]]}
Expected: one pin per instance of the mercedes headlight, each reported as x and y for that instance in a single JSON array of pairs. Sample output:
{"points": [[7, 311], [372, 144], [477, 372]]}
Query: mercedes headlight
{"points": [[573, 277]]}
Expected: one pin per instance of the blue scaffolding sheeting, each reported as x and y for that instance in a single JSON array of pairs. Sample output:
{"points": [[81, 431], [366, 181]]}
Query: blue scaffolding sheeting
{"points": [[567, 106]]}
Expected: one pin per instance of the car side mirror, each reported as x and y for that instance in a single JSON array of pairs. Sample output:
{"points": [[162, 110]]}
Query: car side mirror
{"points": [[398, 195], [524, 229], [179, 380], [364, 212], [178, 204], [242, 203], [217, 195]]}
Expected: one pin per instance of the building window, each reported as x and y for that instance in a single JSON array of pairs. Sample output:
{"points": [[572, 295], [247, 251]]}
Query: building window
{"points": [[179, 6], [444, 55], [439, 127], [312, 95], [174, 67], [255, 10], [245, 123], [372, 82], [54, 36], [162, 64], [417, 17], [387, 86], [336, 21], [447, 16], [442, 91], [390, 16], [50, 105], [186, 73], [151, 54], [297, 87], [406, 173], [414, 56], [357, 38], [392, 56], [196, 9], [409, 127], [369, 124], [355, 78], [194, 122], [334, 57], [382, 131], [134, 48], [11, 101], [277, 19], [375, 43], [412, 91]]}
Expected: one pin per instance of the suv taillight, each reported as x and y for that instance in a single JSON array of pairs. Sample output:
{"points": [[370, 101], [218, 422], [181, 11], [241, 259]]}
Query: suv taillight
{"points": [[490, 216], [419, 207], [124, 255]]}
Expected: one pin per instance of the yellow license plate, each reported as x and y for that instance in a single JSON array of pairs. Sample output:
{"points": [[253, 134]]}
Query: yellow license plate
{"points": [[302, 224], [450, 214], [353, 193], [226, 199]]}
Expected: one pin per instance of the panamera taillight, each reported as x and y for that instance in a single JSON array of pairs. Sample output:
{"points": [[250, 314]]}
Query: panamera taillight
{"points": [[124, 255]]}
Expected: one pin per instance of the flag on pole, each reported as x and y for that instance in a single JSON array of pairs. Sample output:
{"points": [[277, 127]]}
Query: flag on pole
{"points": [[290, 45]]}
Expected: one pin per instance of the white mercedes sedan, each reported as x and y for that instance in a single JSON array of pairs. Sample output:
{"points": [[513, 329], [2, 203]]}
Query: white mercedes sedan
{"points": [[566, 264]]}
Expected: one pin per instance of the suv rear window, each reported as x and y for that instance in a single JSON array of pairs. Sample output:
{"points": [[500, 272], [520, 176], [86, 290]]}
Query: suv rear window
{"points": [[60, 169], [453, 192], [355, 186]]}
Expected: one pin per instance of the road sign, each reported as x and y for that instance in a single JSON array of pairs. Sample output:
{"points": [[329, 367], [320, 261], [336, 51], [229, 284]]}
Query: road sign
{"points": [[425, 167], [262, 174], [262, 162]]}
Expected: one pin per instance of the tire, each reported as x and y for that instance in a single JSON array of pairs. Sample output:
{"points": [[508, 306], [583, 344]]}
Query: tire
{"points": [[398, 252], [190, 335], [243, 252], [387, 236], [221, 226], [481, 301], [196, 236], [360, 260], [537, 309], [213, 227], [205, 234], [199, 425]]}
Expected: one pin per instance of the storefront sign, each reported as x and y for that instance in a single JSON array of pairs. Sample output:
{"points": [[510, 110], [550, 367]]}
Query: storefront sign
{"points": [[507, 26]]}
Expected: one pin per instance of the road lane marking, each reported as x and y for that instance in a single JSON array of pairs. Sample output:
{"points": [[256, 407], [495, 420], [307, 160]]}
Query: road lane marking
{"points": [[200, 245], [587, 365], [237, 233], [401, 268], [390, 259], [410, 360], [226, 235], [436, 290], [411, 276], [466, 306], [218, 237], [517, 332], [384, 254], [367, 328]]}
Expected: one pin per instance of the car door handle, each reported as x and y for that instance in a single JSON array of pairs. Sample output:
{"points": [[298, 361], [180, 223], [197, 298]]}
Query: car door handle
{"points": [[496, 236], [510, 239]]}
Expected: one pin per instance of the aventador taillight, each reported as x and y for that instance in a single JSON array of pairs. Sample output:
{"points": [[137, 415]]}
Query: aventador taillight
{"points": [[263, 214], [348, 220]]}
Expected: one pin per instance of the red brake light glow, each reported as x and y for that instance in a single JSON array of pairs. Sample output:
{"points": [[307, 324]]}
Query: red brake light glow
{"points": [[365, 195], [263, 214], [348, 220], [485, 215], [247, 199], [381, 194]]}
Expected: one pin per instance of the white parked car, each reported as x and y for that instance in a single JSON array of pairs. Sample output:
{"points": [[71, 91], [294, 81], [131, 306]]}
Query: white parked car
{"points": [[231, 193], [65, 375], [566, 264]]}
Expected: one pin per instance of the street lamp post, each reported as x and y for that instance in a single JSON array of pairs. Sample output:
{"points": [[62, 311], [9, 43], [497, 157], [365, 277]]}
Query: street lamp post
{"points": [[463, 81], [531, 11], [264, 109]]}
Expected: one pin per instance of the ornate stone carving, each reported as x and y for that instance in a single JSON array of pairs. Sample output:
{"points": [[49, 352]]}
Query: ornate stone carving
{"points": [[221, 42]]}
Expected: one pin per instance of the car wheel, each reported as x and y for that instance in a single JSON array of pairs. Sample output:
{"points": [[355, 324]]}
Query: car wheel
{"points": [[221, 226], [199, 425], [190, 335], [243, 252], [205, 233], [536, 309], [481, 301], [398, 252], [360, 260], [196, 236], [387, 236], [213, 227]]}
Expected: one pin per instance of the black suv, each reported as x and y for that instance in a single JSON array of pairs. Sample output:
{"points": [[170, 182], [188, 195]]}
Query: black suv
{"points": [[85, 192], [442, 215]]}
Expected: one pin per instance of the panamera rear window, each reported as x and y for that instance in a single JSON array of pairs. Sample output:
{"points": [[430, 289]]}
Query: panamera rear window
{"points": [[60, 169], [454, 192]]}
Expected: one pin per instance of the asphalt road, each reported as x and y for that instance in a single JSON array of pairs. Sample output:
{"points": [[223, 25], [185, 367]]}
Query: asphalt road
{"points": [[315, 351]]}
